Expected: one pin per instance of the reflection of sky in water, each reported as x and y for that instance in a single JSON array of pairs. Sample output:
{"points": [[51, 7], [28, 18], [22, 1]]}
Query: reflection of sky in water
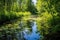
{"points": [[34, 29], [33, 35]]}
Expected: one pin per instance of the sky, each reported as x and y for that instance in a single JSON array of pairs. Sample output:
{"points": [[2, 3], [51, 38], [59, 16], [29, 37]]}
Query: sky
{"points": [[34, 1]]}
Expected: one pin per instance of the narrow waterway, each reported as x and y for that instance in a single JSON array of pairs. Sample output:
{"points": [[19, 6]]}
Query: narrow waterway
{"points": [[26, 34], [34, 35]]}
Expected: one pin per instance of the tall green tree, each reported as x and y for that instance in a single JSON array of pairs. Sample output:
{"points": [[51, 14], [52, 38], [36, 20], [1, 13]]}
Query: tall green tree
{"points": [[31, 7], [53, 8]]}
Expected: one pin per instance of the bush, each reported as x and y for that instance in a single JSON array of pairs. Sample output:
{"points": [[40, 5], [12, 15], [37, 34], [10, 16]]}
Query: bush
{"points": [[49, 25], [43, 23], [7, 16]]}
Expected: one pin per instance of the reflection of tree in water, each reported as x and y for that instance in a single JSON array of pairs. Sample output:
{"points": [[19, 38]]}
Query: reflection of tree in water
{"points": [[30, 23], [33, 35], [3, 36], [20, 32]]}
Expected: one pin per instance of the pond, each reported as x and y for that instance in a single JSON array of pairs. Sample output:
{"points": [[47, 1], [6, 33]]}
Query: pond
{"points": [[33, 35], [26, 34], [23, 33]]}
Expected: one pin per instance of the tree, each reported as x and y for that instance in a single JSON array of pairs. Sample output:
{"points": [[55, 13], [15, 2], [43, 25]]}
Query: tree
{"points": [[51, 7], [31, 7]]}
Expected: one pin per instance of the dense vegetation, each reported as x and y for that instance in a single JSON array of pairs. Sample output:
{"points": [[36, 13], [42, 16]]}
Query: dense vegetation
{"points": [[47, 12]]}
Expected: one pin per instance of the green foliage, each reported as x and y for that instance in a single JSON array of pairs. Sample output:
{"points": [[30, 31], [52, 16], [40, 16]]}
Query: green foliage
{"points": [[49, 23], [48, 26], [7, 16], [48, 20], [32, 8], [43, 23], [10, 9]]}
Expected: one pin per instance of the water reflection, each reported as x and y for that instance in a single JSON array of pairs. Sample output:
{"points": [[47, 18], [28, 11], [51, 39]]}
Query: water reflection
{"points": [[20, 36], [34, 35], [23, 33]]}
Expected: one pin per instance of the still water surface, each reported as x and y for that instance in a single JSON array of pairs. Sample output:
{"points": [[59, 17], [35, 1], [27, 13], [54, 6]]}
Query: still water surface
{"points": [[33, 35]]}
